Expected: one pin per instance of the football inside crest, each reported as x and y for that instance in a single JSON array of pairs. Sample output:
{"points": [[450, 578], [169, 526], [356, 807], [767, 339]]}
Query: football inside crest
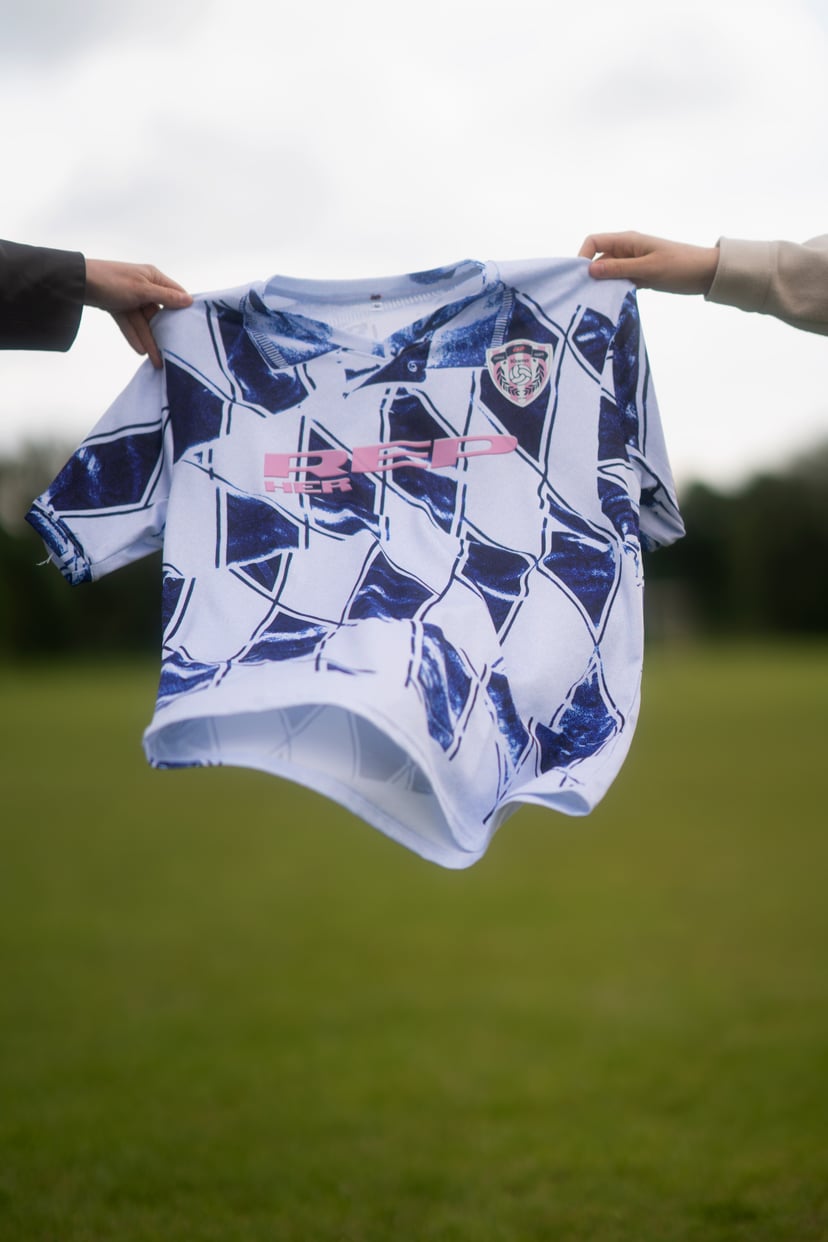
{"points": [[520, 369]]}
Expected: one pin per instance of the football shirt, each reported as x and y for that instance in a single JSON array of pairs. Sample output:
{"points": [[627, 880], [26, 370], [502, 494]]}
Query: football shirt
{"points": [[401, 523]]}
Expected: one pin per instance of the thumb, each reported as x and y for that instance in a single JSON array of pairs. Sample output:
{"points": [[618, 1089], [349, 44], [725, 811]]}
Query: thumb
{"points": [[611, 269], [172, 297], [162, 289]]}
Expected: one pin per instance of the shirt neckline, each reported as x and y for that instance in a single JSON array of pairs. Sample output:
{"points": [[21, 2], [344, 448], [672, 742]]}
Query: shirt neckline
{"points": [[283, 307]]}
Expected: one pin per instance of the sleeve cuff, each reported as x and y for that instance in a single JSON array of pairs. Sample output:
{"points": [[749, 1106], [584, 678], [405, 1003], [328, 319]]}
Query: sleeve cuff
{"points": [[41, 296], [743, 274], [62, 546]]}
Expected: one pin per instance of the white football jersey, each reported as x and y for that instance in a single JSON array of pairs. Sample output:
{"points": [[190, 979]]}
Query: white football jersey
{"points": [[401, 523]]}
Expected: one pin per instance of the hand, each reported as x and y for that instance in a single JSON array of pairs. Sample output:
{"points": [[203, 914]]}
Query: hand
{"points": [[133, 293], [651, 262]]}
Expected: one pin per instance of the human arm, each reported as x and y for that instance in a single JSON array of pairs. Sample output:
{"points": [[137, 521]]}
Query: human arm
{"points": [[777, 278], [783, 279], [43, 292], [41, 296]]}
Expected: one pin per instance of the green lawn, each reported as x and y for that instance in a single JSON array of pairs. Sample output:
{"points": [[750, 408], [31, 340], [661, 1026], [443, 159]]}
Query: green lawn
{"points": [[229, 1011]]}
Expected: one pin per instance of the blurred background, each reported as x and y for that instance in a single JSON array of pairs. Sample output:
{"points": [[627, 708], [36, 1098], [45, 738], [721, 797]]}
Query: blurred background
{"points": [[228, 1010]]}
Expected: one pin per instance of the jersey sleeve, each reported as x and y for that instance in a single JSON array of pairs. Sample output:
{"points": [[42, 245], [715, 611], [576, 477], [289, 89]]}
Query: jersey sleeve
{"points": [[631, 434], [107, 507]]}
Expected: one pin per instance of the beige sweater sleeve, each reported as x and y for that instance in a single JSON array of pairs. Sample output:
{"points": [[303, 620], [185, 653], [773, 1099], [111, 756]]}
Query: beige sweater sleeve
{"points": [[775, 278]]}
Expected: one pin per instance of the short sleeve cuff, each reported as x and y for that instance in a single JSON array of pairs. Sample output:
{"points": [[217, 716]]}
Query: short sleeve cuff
{"points": [[64, 549]]}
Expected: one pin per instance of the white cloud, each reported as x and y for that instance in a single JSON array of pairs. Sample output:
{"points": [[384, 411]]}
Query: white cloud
{"points": [[40, 32], [227, 142]]}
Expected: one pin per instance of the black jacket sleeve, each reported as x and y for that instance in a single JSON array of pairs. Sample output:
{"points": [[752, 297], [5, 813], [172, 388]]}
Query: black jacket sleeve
{"points": [[41, 296]]}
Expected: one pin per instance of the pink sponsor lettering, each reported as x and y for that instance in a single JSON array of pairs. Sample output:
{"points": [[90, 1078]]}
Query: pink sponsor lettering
{"points": [[306, 487], [448, 452], [323, 464], [371, 457], [328, 465]]}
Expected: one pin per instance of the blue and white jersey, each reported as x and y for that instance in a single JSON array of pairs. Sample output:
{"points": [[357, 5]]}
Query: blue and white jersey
{"points": [[401, 524]]}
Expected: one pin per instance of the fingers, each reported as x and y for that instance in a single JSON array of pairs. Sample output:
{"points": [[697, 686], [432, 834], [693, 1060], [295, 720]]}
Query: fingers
{"points": [[133, 293], [638, 270], [623, 245], [134, 325], [627, 245], [117, 287], [164, 290], [650, 262], [156, 290], [621, 256]]}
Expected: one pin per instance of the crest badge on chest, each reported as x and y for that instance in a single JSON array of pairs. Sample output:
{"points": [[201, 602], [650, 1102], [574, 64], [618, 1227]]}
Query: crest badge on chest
{"points": [[520, 370]]}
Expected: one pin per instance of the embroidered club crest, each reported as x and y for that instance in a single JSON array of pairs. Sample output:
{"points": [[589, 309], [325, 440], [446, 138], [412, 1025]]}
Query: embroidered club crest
{"points": [[520, 369]]}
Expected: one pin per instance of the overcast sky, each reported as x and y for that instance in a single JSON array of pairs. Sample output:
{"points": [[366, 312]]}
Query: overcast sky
{"points": [[226, 142]]}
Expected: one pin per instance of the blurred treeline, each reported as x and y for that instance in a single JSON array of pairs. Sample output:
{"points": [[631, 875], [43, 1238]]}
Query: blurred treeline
{"points": [[754, 562], [40, 614]]}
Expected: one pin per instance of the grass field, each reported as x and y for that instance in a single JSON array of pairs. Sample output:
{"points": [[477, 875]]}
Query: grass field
{"points": [[229, 1012]]}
